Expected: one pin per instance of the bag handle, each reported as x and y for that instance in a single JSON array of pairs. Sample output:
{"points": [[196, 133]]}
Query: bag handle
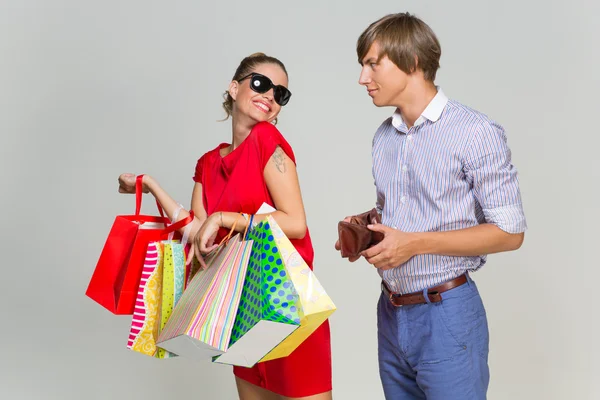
{"points": [[188, 228], [248, 227], [226, 238], [179, 224], [138, 197]]}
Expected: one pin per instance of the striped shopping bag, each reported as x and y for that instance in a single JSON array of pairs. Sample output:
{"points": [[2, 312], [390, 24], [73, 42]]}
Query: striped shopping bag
{"points": [[201, 324]]}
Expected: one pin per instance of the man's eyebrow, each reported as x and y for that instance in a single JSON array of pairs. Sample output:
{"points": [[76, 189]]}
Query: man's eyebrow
{"points": [[368, 61]]}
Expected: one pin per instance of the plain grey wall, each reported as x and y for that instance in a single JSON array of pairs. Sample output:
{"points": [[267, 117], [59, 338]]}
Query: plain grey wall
{"points": [[90, 89]]}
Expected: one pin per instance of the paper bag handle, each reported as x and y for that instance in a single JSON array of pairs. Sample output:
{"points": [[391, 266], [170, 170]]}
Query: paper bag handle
{"points": [[226, 238], [248, 227]]}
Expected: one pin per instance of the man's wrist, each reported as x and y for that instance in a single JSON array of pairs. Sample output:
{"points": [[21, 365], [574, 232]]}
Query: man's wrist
{"points": [[421, 243]]}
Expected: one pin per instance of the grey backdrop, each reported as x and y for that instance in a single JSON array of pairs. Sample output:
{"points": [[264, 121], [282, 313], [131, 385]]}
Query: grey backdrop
{"points": [[90, 89]]}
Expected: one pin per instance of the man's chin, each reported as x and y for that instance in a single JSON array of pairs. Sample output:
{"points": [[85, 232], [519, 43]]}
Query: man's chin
{"points": [[378, 103]]}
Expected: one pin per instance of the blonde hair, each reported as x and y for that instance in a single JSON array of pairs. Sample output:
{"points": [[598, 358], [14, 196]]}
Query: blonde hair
{"points": [[407, 41], [246, 67]]}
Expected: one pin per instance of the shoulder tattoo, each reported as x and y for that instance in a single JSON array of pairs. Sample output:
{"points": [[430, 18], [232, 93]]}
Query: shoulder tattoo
{"points": [[279, 159]]}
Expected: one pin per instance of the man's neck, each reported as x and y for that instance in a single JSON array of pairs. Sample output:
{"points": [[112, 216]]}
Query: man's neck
{"points": [[414, 100]]}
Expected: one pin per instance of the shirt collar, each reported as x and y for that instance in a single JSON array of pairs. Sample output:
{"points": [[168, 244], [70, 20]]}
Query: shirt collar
{"points": [[432, 112]]}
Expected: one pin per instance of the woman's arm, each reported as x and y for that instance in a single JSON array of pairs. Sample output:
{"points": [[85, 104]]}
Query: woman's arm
{"points": [[282, 182], [127, 185]]}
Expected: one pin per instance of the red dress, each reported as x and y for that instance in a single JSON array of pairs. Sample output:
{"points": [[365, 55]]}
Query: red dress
{"points": [[236, 183]]}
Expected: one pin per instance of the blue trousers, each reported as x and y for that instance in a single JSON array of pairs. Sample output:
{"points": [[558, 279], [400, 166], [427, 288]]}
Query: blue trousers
{"points": [[436, 350]]}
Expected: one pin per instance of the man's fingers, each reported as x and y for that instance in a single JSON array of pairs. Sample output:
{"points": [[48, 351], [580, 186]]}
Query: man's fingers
{"points": [[373, 251], [377, 260], [378, 228]]}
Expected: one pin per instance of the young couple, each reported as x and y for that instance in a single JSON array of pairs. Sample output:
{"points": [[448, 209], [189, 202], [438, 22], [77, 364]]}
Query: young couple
{"points": [[446, 191]]}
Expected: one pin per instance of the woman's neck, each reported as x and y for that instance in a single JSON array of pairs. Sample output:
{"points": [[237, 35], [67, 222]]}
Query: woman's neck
{"points": [[240, 129]]}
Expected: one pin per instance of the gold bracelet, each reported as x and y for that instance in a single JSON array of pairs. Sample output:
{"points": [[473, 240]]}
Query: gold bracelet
{"points": [[221, 212]]}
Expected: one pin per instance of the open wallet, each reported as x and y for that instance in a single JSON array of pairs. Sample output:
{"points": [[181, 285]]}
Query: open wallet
{"points": [[355, 237]]}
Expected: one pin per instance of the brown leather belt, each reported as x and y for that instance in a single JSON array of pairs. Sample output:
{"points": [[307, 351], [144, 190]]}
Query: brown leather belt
{"points": [[434, 293]]}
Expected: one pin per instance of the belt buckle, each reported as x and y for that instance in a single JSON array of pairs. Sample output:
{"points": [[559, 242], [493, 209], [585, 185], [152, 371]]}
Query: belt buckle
{"points": [[390, 295]]}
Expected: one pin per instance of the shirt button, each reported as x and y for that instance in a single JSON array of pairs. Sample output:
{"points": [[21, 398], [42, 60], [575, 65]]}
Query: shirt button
{"points": [[403, 199], [410, 137], [404, 168]]}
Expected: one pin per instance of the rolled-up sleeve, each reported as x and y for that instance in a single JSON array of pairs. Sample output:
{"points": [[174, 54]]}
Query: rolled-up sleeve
{"points": [[494, 179]]}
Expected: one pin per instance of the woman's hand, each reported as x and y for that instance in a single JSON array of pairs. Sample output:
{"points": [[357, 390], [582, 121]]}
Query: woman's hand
{"points": [[204, 241], [127, 183]]}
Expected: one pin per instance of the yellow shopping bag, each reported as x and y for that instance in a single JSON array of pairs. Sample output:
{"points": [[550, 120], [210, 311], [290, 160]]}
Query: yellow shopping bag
{"points": [[315, 304]]}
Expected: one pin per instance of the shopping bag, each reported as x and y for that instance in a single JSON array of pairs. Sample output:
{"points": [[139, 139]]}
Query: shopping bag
{"points": [[314, 302], [201, 323], [161, 286], [269, 308], [115, 281]]}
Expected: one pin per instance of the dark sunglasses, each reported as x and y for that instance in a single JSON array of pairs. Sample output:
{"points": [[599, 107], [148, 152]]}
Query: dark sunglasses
{"points": [[261, 84]]}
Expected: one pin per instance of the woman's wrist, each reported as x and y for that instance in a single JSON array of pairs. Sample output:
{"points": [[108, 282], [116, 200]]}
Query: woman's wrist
{"points": [[228, 220], [149, 183]]}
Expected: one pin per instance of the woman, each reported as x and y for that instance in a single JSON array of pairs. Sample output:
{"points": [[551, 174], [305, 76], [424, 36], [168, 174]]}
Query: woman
{"points": [[257, 167]]}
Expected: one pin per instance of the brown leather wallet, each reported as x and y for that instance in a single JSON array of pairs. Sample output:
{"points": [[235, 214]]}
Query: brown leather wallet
{"points": [[355, 237]]}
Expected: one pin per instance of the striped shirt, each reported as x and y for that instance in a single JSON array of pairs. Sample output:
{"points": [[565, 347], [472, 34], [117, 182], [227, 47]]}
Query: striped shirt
{"points": [[451, 170]]}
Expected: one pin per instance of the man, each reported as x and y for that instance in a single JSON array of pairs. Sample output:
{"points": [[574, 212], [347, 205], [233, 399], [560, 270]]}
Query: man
{"points": [[448, 195]]}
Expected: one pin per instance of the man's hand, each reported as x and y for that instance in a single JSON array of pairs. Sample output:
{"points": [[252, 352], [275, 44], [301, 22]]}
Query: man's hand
{"points": [[395, 249]]}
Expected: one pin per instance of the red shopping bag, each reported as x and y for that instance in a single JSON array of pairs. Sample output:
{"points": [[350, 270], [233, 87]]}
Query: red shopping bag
{"points": [[114, 284]]}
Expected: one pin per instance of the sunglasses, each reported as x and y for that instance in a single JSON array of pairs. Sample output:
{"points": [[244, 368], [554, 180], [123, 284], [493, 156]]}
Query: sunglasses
{"points": [[261, 84]]}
